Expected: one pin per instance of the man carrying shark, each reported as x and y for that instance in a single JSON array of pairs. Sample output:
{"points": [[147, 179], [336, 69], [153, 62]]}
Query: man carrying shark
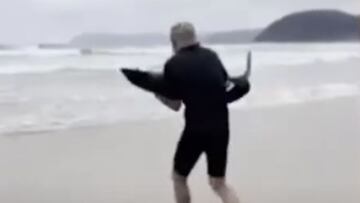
{"points": [[195, 76], [198, 79]]}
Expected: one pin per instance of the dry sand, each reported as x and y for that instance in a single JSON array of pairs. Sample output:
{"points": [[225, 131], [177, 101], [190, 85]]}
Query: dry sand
{"points": [[287, 154]]}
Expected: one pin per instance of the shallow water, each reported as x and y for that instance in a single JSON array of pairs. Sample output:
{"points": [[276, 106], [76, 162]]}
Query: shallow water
{"points": [[57, 89]]}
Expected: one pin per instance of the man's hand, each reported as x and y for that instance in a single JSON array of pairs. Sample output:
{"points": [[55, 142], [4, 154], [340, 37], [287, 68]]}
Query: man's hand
{"points": [[174, 105]]}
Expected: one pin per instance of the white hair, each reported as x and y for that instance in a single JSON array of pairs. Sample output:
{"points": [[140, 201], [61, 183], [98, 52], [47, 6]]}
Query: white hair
{"points": [[182, 35]]}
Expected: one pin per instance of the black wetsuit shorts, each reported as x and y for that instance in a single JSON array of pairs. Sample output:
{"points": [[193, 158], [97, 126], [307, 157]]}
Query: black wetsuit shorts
{"points": [[214, 144]]}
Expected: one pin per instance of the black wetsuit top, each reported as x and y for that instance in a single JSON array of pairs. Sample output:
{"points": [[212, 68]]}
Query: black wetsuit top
{"points": [[198, 77]]}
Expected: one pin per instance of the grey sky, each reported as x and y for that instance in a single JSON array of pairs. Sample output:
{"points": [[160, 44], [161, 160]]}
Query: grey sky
{"points": [[29, 21]]}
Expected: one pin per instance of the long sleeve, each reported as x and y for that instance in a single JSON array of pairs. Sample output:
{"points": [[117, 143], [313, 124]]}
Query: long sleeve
{"points": [[172, 91]]}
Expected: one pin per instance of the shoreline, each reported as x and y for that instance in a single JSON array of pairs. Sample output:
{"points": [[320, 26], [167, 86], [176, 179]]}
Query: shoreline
{"points": [[177, 117]]}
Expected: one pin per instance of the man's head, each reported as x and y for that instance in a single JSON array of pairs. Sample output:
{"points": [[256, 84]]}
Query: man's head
{"points": [[183, 35]]}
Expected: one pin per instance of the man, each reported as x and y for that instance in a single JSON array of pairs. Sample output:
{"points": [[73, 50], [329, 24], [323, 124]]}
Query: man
{"points": [[198, 78]]}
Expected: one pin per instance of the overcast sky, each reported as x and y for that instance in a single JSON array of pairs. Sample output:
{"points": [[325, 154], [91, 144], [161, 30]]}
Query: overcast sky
{"points": [[30, 21]]}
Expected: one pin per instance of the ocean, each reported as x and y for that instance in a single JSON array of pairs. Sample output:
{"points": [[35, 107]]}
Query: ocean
{"points": [[49, 89]]}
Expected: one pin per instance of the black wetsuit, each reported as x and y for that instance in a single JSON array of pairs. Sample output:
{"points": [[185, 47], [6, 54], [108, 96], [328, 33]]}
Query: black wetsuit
{"points": [[197, 77]]}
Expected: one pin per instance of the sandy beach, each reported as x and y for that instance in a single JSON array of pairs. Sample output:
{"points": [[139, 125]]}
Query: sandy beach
{"points": [[294, 139], [76, 127], [292, 153]]}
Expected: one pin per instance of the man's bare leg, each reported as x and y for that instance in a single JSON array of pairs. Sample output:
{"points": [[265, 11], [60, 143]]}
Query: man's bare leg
{"points": [[182, 192], [224, 191]]}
